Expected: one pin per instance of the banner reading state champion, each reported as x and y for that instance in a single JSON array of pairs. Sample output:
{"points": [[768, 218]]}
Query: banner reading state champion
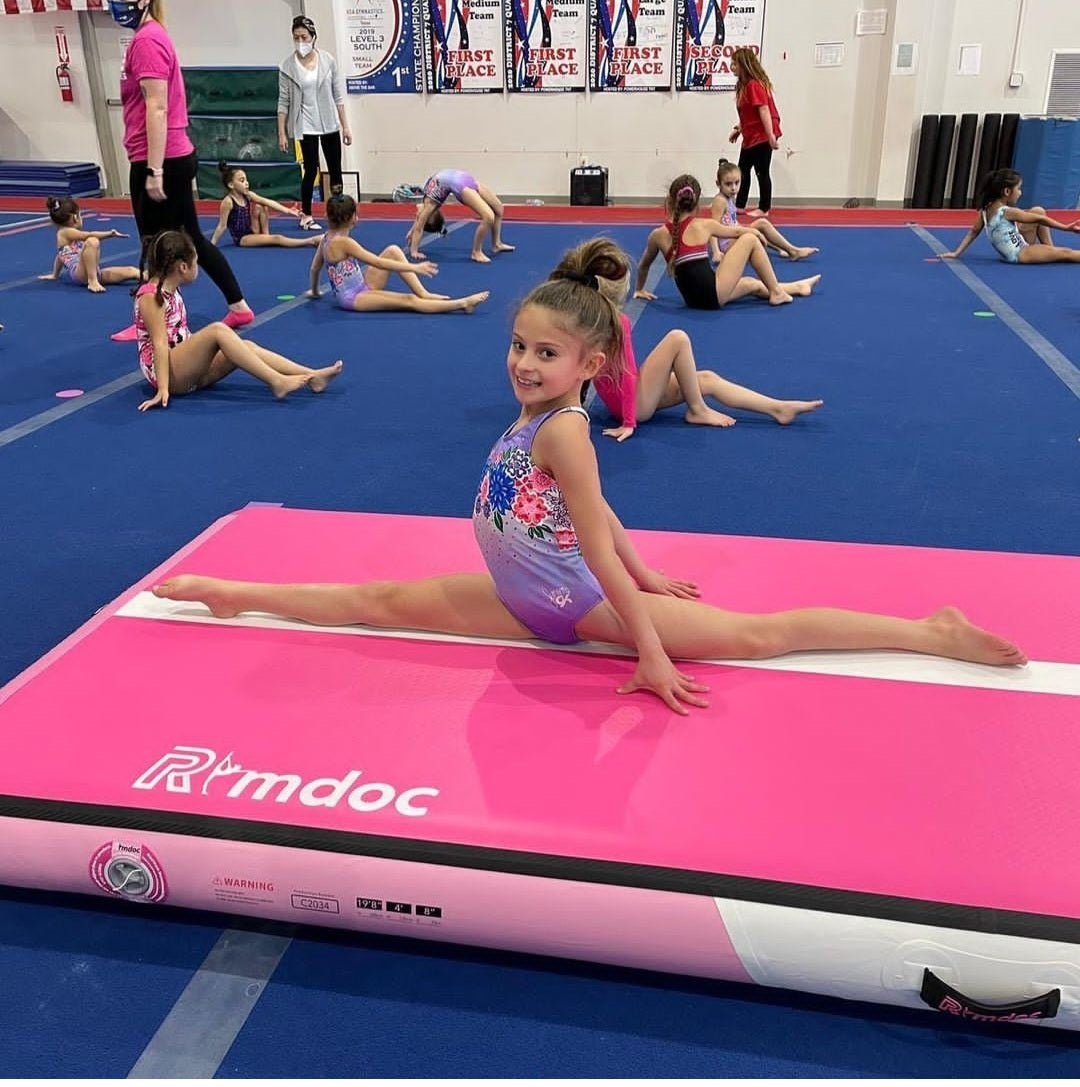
{"points": [[546, 45], [377, 51], [707, 32], [462, 44], [630, 45]]}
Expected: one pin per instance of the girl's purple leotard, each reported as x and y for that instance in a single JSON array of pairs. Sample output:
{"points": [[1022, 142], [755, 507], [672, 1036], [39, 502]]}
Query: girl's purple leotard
{"points": [[524, 533], [346, 278], [729, 218], [239, 220], [448, 183], [70, 255]]}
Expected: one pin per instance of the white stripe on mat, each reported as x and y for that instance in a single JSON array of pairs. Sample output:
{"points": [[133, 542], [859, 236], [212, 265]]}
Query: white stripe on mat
{"points": [[1039, 677]]}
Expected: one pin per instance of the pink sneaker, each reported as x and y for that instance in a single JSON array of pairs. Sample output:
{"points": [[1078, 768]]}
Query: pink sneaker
{"points": [[238, 320], [125, 335]]}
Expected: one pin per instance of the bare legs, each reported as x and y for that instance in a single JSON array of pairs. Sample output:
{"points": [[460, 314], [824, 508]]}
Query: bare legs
{"points": [[670, 376], [93, 275], [731, 284], [421, 300], [466, 604], [489, 208], [771, 236], [261, 236], [215, 351]]}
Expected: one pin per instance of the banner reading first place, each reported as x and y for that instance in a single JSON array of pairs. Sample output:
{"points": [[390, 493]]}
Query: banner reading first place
{"points": [[378, 52], [546, 45], [630, 45], [707, 32], [462, 41]]}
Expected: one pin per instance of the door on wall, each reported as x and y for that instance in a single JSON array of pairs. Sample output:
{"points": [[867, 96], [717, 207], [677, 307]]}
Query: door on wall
{"points": [[112, 42]]}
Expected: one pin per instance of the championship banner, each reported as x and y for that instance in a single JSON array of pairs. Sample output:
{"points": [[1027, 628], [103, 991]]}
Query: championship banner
{"points": [[377, 48], [42, 7], [707, 32], [546, 45], [462, 46], [630, 45]]}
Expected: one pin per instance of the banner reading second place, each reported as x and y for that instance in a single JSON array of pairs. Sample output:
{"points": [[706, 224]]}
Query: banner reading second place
{"points": [[707, 32], [462, 43], [546, 45]]}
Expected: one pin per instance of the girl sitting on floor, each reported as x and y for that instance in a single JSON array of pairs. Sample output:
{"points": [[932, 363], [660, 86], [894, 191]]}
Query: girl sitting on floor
{"points": [[684, 239], [176, 361], [1018, 236], [244, 214], [78, 256], [358, 277]]}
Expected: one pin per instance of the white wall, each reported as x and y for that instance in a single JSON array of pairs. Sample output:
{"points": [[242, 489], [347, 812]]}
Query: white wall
{"points": [[852, 128]]}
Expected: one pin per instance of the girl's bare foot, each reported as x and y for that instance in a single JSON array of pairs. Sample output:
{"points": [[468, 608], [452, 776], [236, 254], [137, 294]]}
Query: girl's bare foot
{"points": [[502, 247], [211, 591], [321, 378], [786, 410], [708, 417], [780, 297], [802, 287], [959, 639], [802, 251], [474, 300], [95, 287], [480, 258], [289, 383]]}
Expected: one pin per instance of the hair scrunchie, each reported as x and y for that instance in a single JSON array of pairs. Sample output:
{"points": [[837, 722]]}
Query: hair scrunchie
{"points": [[686, 190], [582, 278]]}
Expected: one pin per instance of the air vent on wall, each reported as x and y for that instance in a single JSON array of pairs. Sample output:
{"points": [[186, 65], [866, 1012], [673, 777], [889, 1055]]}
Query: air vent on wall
{"points": [[1063, 98]]}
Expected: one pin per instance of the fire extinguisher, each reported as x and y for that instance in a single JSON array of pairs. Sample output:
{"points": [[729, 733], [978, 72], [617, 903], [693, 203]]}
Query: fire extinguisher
{"points": [[63, 79]]}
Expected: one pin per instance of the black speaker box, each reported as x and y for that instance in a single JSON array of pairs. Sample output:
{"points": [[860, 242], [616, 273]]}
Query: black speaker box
{"points": [[588, 185]]}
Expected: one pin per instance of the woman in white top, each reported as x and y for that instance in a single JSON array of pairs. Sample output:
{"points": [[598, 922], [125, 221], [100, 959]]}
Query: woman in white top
{"points": [[311, 109]]}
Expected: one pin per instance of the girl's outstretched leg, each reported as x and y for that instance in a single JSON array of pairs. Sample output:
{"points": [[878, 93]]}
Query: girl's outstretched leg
{"points": [[1048, 254], [691, 630], [320, 377], [463, 604], [215, 351], [774, 238], [747, 249], [374, 300], [119, 274], [738, 396], [282, 241]]}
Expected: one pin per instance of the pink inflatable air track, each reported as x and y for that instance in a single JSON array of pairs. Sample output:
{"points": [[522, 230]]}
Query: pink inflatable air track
{"points": [[879, 826]]}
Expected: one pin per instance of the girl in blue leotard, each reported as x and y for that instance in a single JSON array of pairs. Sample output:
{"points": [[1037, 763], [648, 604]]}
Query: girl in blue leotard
{"points": [[475, 196], [243, 213], [358, 277], [560, 566], [1018, 236]]}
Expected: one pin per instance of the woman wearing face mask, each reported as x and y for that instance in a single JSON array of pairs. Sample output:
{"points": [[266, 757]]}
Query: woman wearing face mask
{"points": [[163, 159], [311, 109]]}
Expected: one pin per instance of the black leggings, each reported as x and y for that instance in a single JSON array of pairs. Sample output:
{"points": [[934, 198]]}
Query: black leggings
{"points": [[759, 157], [177, 212], [309, 149]]}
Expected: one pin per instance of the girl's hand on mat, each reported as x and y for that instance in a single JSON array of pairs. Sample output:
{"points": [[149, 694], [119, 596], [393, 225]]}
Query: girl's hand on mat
{"points": [[426, 268], [950, 255], [656, 581], [160, 399], [619, 433], [48, 275], [647, 295], [116, 234], [666, 682]]}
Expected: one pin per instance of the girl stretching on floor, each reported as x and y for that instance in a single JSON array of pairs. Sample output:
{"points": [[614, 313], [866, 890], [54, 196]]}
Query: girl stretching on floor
{"points": [[475, 196], [176, 361], [1020, 237], [725, 211], [358, 288], [669, 375], [244, 214], [560, 565], [78, 256], [684, 239]]}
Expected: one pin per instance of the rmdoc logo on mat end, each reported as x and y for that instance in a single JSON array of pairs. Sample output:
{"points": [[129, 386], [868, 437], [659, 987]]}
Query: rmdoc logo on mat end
{"points": [[177, 770]]}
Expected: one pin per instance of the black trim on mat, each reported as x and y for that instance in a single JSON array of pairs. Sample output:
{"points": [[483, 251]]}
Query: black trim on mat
{"points": [[552, 866]]}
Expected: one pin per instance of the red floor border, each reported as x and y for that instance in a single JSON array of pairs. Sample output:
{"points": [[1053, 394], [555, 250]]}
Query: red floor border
{"points": [[627, 213]]}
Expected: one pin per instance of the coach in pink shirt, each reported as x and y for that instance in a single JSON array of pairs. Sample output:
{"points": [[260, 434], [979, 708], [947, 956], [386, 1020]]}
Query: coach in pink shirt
{"points": [[163, 159]]}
